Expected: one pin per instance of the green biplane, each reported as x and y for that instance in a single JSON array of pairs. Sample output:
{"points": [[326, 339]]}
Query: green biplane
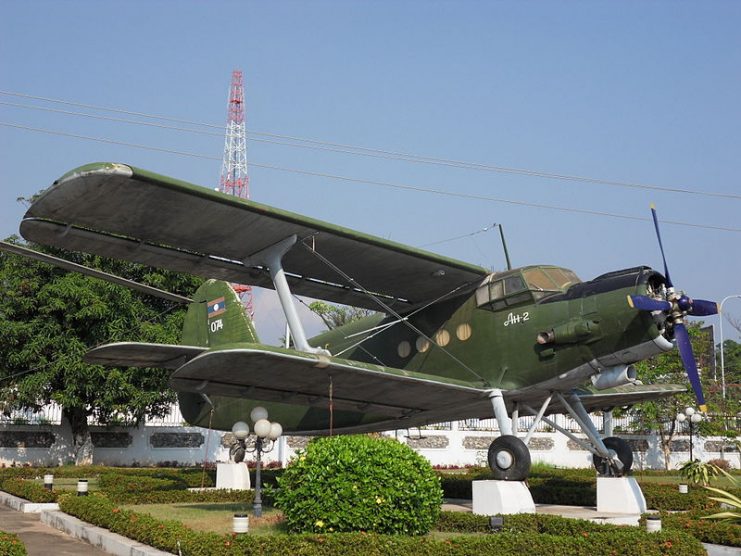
{"points": [[449, 341]]}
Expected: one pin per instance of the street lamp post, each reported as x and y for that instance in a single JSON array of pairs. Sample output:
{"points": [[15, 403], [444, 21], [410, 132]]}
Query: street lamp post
{"points": [[266, 435], [694, 417], [722, 362]]}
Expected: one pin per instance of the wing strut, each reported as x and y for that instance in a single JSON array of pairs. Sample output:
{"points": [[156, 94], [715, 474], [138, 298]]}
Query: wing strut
{"points": [[391, 311], [272, 257]]}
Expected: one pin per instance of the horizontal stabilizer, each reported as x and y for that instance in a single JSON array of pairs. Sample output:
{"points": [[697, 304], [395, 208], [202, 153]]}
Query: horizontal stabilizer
{"points": [[133, 354], [272, 374]]}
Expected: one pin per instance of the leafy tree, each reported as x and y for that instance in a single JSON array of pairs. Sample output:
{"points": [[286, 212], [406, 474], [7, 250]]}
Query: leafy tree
{"points": [[50, 317], [335, 316]]}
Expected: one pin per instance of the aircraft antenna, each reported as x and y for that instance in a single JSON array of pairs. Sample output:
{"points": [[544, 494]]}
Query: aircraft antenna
{"points": [[234, 178]]}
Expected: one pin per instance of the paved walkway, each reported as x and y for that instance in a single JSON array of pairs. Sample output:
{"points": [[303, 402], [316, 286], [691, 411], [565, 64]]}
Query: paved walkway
{"points": [[41, 539]]}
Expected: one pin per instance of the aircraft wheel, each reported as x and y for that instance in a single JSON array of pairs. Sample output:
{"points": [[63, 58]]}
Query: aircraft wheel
{"points": [[237, 453], [509, 459], [624, 453]]}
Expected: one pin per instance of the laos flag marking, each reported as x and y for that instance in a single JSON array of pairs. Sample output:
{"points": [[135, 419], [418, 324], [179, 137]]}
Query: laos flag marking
{"points": [[216, 307]]}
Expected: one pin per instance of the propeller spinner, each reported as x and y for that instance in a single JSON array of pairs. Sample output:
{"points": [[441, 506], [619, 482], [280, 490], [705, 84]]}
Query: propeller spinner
{"points": [[676, 306]]}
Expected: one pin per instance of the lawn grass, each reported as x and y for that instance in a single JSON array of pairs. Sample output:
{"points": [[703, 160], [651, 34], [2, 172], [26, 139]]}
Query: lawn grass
{"points": [[216, 517]]}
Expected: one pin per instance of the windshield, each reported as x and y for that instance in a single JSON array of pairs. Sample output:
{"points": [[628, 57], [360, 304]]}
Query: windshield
{"points": [[549, 279]]}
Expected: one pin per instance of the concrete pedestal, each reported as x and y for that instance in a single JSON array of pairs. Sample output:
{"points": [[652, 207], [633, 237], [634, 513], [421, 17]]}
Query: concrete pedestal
{"points": [[234, 476], [501, 497], [620, 495]]}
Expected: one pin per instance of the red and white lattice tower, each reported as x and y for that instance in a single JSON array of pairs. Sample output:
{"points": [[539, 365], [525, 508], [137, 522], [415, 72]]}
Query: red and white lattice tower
{"points": [[234, 179]]}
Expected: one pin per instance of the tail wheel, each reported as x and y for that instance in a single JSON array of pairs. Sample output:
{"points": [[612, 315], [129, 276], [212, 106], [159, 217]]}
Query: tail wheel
{"points": [[624, 454], [509, 459]]}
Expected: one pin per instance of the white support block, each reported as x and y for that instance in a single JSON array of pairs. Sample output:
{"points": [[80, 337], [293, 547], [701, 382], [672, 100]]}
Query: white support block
{"points": [[234, 476], [501, 497], [620, 495]]}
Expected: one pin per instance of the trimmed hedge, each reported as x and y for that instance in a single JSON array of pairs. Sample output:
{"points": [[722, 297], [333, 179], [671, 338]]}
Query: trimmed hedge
{"points": [[184, 496], [706, 530], [131, 488], [464, 522], [29, 490], [11, 545], [525, 538], [582, 491], [190, 477]]}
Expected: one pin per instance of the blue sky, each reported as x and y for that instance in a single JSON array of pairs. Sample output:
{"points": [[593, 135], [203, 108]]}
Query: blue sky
{"points": [[639, 92]]}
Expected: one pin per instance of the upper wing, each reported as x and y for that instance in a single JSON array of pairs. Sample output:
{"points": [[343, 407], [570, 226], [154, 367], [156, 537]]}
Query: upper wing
{"points": [[274, 374], [123, 212]]}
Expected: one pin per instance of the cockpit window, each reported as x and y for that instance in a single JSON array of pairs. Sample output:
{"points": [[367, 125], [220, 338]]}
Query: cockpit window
{"points": [[563, 277], [514, 284], [538, 279], [526, 286]]}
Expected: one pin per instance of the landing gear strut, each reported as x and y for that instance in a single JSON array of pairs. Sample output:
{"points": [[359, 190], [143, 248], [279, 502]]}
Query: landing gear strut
{"points": [[509, 457]]}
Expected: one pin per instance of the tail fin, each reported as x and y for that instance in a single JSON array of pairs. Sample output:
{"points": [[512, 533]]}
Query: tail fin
{"points": [[217, 317]]}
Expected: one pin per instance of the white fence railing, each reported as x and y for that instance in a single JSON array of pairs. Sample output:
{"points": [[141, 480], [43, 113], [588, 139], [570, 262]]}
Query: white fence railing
{"points": [[52, 415]]}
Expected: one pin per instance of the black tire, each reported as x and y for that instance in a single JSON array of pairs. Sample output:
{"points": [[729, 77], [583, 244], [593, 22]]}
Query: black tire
{"points": [[514, 450], [237, 453], [624, 454]]}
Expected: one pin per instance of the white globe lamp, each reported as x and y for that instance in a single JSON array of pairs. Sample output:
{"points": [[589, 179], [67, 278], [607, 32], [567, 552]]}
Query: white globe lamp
{"points": [[240, 430], [262, 428], [258, 413], [275, 431]]}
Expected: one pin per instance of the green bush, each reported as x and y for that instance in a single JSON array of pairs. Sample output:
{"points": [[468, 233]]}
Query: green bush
{"points": [[11, 545], [29, 490], [359, 483]]}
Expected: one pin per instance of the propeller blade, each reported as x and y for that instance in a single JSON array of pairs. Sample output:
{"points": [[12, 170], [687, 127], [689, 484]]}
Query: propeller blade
{"points": [[661, 246], [644, 303], [690, 365], [703, 308]]}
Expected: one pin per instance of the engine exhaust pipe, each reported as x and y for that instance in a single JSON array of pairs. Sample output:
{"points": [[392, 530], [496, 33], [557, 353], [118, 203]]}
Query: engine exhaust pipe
{"points": [[614, 376]]}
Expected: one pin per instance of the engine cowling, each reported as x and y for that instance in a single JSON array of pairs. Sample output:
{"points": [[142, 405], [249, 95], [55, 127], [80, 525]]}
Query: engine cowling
{"points": [[615, 376]]}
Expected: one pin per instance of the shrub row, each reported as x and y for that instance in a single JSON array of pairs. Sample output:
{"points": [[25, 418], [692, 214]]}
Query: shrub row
{"points": [[173, 536], [117, 483], [706, 530], [463, 522], [184, 496], [29, 490], [583, 492], [190, 477], [10, 545], [127, 493]]}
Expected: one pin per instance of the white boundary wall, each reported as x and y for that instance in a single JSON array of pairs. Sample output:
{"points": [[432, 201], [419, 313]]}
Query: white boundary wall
{"points": [[453, 446]]}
